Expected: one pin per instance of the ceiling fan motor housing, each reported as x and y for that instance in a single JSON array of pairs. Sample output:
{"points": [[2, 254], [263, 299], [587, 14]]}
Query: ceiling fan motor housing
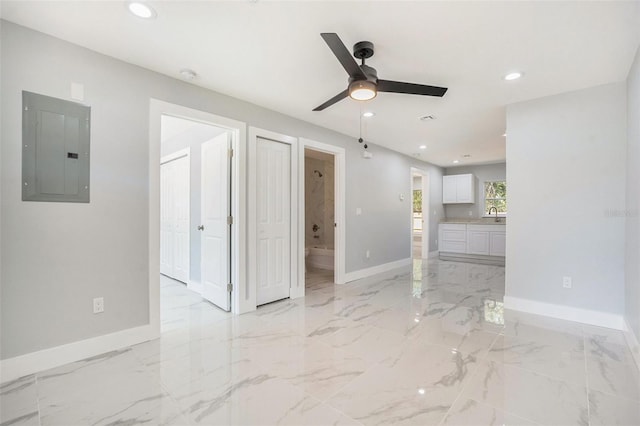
{"points": [[363, 49], [370, 72]]}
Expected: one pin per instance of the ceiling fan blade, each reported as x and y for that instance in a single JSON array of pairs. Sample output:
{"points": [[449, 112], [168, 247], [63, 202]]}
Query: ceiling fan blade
{"points": [[410, 88], [348, 62], [340, 96]]}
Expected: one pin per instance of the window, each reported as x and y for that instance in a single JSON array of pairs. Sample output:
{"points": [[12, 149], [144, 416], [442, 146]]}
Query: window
{"points": [[495, 195]]}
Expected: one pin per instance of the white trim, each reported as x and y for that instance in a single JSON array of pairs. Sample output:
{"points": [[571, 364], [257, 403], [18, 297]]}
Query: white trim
{"points": [[569, 313], [632, 342], [34, 362], [297, 286], [238, 132], [379, 269], [339, 154], [195, 286]]}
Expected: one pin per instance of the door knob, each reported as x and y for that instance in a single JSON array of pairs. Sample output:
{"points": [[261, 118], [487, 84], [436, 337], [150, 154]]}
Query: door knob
{"points": [[201, 228]]}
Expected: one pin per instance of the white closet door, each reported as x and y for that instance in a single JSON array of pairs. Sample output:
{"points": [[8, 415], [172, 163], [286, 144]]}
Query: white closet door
{"points": [[166, 219], [215, 247], [174, 218], [273, 190], [182, 199]]}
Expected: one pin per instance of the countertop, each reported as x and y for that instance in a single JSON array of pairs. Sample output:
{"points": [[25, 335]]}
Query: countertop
{"points": [[481, 221]]}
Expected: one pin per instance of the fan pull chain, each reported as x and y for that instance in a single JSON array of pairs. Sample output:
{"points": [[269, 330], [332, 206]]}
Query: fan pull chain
{"points": [[360, 140]]}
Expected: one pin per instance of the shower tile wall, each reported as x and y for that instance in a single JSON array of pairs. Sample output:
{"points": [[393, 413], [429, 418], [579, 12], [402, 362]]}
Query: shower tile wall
{"points": [[319, 202]]}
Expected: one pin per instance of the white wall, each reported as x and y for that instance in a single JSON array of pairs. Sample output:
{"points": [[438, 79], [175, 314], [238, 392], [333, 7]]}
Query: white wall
{"points": [[632, 212], [56, 257], [566, 174], [483, 173]]}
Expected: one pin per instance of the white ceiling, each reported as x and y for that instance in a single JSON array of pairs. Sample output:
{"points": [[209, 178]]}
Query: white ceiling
{"points": [[270, 53]]}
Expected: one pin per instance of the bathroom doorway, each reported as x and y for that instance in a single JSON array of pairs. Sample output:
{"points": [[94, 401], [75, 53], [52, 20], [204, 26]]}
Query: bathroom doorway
{"points": [[320, 217]]}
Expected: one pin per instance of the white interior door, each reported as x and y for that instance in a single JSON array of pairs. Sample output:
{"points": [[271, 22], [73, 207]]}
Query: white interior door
{"points": [[166, 219], [174, 218], [182, 199], [273, 191], [215, 242]]}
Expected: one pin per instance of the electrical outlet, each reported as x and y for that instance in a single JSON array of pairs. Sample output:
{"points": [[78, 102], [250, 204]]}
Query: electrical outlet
{"points": [[566, 282], [98, 305], [367, 254]]}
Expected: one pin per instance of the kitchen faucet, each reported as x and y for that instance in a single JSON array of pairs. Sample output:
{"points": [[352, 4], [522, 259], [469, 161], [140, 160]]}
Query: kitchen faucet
{"points": [[496, 209]]}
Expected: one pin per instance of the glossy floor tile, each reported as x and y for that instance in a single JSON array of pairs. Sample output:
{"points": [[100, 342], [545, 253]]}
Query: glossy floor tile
{"points": [[428, 345]]}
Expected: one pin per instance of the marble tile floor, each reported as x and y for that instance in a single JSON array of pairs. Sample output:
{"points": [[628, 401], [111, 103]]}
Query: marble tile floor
{"points": [[429, 345]]}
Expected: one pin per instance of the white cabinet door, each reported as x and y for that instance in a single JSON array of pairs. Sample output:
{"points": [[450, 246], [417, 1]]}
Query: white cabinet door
{"points": [[458, 189], [464, 189], [478, 242], [449, 185], [498, 244], [453, 238]]}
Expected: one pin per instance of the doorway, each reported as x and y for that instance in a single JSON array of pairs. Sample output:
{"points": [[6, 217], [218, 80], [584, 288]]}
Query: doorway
{"points": [[195, 204], [213, 148], [319, 214], [419, 214]]}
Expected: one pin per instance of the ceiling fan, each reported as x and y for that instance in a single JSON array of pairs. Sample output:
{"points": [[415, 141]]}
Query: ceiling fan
{"points": [[363, 79]]}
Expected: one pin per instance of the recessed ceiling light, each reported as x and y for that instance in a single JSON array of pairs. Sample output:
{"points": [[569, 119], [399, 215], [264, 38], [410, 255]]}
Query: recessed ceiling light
{"points": [[421, 391], [141, 9], [513, 76], [456, 161], [422, 147], [188, 74], [368, 114], [504, 135]]}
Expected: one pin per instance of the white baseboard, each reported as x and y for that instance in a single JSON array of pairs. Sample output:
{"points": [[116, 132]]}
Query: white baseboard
{"points": [[585, 316], [364, 273], [632, 342], [195, 286], [34, 362]]}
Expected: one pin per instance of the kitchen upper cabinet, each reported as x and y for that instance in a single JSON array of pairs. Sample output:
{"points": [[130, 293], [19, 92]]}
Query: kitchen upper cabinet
{"points": [[458, 189]]}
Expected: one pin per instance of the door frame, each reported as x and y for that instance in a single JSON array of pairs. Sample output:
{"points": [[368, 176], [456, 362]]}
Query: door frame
{"points": [[238, 130], [178, 155], [297, 287], [425, 210], [339, 154]]}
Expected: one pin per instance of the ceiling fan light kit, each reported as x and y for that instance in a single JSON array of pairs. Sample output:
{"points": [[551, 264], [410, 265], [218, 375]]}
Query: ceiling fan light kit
{"points": [[362, 90], [363, 79]]}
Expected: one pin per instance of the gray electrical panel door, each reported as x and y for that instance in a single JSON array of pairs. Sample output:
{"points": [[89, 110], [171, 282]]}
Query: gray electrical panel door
{"points": [[55, 149]]}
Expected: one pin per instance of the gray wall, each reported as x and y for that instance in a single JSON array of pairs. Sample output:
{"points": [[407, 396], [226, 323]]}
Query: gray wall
{"points": [[483, 173], [632, 213], [56, 257], [192, 139], [566, 174]]}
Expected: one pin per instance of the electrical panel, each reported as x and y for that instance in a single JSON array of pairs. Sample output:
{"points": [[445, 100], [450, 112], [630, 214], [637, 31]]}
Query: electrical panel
{"points": [[55, 149]]}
